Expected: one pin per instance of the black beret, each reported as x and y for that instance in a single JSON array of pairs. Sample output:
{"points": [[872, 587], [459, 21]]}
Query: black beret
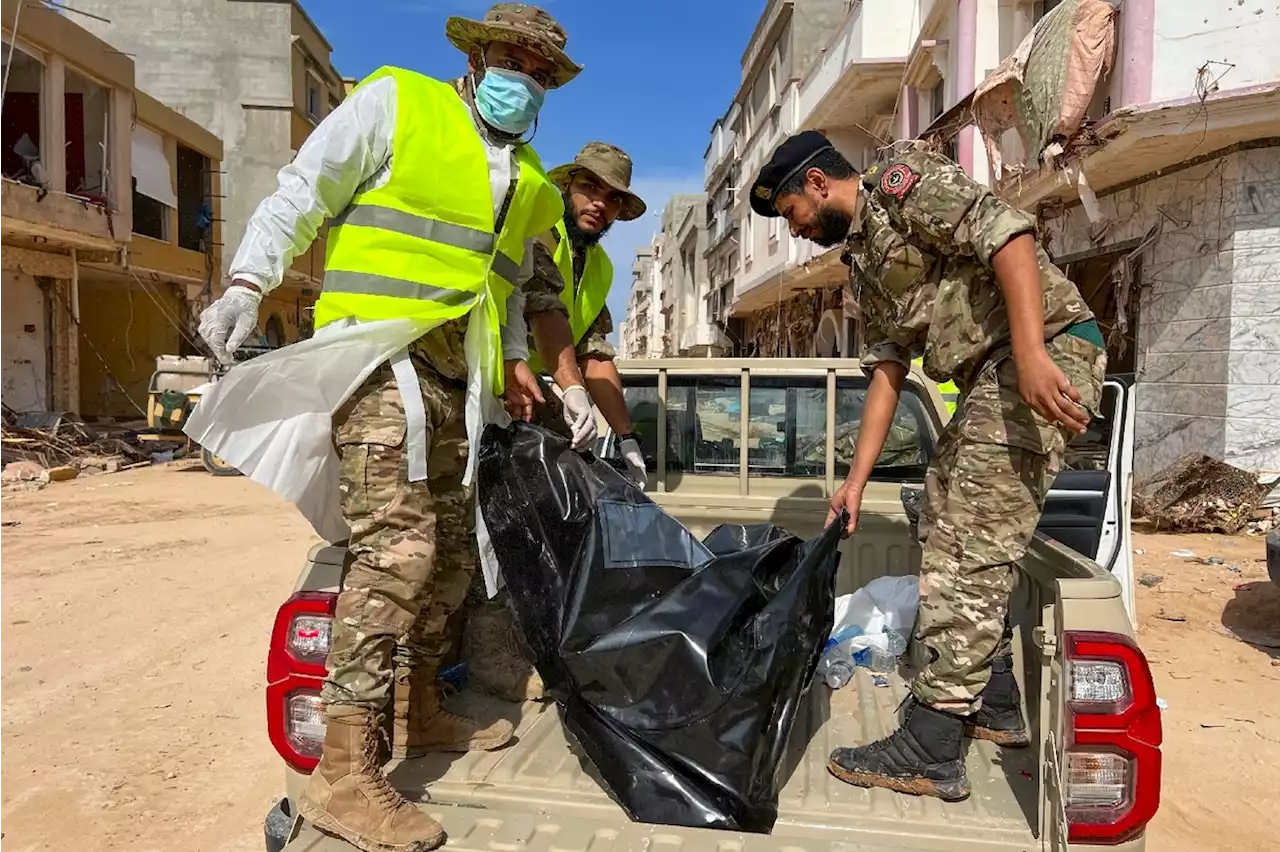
{"points": [[790, 157]]}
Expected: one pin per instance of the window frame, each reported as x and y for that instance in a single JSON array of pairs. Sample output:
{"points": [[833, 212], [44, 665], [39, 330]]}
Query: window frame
{"points": [[313, 83], [825, 374]]}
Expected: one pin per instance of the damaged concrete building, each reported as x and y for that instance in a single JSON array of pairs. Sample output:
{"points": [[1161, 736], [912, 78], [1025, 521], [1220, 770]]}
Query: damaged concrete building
{"points": [[110, 222], [1145, 137], [1166, 211], [256, 73]]}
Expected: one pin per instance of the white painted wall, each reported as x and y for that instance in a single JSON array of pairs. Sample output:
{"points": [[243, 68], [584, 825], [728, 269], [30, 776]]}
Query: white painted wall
{"points": [[1190, 34], [986, 56], [878, 30], [889, 28], [24, 339]]}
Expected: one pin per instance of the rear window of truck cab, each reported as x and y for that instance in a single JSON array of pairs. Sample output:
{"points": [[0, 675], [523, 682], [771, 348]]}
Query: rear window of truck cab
{"points": [[785, 429]]}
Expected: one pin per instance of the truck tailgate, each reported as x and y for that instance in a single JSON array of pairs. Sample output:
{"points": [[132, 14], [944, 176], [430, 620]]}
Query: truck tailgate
{"points": [[540, 794], [476, 830]]}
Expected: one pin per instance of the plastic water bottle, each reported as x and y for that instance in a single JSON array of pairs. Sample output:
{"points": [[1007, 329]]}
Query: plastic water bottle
{"points": [[885, 660], [836, 666]]}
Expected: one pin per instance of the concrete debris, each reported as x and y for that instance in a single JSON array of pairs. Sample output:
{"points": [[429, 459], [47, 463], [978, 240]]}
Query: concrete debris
{"points": [[94, 465], [43, 447], [59, 474], [1200, 494], [1150, 580], [22, 471], [1263, 521]]}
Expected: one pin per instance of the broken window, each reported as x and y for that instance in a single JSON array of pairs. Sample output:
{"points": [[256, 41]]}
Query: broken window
{"points": [[153, 195], [195, 210], [88, 117], [314, 102], [150, 217], [24, 88]]}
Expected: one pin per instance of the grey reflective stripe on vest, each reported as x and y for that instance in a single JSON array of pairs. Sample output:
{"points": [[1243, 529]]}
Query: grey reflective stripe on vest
{"points": [[435, 230], [506, 267], [368, 284]]}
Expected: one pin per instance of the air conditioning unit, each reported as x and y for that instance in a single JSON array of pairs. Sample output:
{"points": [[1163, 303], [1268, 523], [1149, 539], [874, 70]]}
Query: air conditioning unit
{"points": [[829, 342]]}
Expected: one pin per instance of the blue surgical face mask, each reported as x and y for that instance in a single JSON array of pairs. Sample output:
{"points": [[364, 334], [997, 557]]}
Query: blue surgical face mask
{"points": [[509, 100]]}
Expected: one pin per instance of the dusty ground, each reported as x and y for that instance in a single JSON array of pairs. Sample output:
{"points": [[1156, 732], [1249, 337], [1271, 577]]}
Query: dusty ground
{"points": [[137, 610], [1222, 725], [136, 613]]}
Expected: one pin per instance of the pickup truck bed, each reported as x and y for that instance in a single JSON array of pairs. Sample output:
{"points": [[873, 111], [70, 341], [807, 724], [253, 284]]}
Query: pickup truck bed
{"points": [[543, 769]]}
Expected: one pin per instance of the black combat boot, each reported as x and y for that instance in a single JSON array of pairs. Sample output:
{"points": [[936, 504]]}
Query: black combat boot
{"points": [[1000, 719], [924, 757]]}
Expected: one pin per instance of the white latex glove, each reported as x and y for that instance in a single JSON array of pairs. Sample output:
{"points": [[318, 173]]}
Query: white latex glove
{"points": [[631, 454], [579, 416], [226, 323]]}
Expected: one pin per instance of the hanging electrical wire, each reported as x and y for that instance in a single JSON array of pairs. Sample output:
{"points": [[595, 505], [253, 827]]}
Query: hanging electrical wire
{"points": [[173, 320], [13, 48]]}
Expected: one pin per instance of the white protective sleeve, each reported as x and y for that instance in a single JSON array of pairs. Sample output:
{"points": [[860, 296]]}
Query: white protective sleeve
{"points": [[349, 147]]}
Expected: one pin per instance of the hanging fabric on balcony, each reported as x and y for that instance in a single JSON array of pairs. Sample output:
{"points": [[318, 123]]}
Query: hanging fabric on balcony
{"points": [[1044, 89], [150, 166]]}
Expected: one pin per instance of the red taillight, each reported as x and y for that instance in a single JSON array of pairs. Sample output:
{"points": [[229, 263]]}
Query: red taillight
{"points": [[1111, 776], [295, 672]]}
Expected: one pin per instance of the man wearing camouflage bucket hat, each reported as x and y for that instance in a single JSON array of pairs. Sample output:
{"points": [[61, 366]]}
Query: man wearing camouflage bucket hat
{"points": [[434, 199], [597, 192]]}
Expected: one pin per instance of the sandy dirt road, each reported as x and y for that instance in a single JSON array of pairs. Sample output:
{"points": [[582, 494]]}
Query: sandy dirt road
{"points": [[135, 617], [137, 610]]}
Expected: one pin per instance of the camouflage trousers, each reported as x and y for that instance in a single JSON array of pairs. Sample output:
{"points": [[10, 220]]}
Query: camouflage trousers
{"points": [[983, 497], [412, 543]]}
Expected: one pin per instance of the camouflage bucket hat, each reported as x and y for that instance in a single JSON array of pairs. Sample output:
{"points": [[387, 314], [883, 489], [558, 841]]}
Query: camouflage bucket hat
{"points": [[610, 164], [515, 23]]}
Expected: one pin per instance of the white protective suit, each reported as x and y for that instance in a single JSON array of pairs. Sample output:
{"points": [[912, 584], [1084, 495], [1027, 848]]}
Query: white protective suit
{"points": [[272, 417]]}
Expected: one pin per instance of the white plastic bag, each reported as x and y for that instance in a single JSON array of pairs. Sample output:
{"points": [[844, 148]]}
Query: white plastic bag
{"points": [[886, 603]]}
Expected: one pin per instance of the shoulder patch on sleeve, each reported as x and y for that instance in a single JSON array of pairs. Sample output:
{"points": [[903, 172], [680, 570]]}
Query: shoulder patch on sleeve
{"points": [[898, 180]]}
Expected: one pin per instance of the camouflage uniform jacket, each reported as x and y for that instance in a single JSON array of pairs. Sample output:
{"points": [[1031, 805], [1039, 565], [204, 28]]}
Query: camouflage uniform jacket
{"points": [[442, 347], [920, 253]]}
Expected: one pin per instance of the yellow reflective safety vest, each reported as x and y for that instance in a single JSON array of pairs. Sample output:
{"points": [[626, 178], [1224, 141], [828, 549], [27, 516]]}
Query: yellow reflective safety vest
{"points": [[950, 394], [423, 245], [587, 300]]}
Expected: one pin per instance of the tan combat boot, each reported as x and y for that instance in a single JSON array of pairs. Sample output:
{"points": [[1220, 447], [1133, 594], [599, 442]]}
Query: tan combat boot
{"points": [[350, 797], [496, 660], [422, 724]]}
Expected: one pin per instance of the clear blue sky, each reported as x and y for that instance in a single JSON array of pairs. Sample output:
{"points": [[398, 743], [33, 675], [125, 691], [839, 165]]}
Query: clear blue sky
{"points": [[658, 73]]}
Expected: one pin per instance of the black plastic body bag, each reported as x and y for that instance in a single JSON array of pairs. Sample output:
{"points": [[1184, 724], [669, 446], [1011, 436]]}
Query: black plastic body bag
{"points": [[679, 665]]}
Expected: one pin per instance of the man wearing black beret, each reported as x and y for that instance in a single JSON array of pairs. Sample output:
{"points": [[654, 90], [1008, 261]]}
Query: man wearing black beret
{"points": [[941, 267]]}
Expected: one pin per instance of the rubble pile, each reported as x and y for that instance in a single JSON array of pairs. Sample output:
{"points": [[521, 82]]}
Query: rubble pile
{"points": [[38, 450], [1198, 493]]}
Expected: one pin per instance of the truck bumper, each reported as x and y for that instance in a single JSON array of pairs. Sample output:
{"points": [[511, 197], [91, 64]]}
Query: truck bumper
{"points": [[278, 826]]}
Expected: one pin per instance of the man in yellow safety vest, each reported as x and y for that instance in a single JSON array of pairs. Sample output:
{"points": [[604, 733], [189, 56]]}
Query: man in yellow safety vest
{"points": [[597, 192], [435, 201]]}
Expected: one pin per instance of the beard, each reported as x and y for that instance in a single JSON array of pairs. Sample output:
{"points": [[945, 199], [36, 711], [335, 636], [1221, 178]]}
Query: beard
{"points": [[577, 236], [833, 226]]}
